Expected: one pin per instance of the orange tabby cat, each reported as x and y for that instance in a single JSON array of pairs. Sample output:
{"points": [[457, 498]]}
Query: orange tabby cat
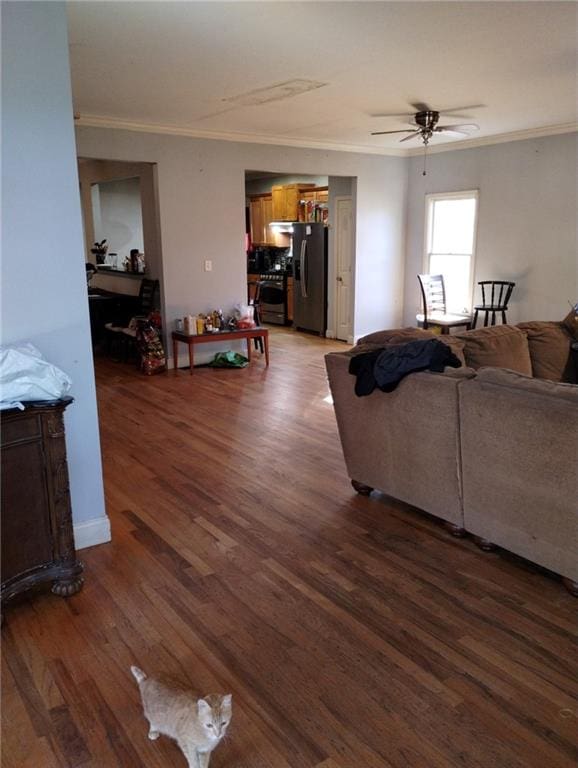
{"points": [[196, 725]]}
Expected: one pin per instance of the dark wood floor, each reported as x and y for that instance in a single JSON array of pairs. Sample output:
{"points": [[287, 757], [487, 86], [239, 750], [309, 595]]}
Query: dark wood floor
{"points": [[353, 632]]}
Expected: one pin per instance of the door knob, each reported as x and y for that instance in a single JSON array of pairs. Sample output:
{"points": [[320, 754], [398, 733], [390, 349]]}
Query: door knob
{"points": [[339, 279]]}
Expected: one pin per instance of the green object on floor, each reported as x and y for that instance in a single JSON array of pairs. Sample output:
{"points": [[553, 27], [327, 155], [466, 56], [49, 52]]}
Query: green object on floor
{"points": [[229, 360]]}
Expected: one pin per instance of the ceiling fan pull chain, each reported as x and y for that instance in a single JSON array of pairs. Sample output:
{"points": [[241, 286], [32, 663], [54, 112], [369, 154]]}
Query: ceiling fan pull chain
{"points": [[425, 143]]}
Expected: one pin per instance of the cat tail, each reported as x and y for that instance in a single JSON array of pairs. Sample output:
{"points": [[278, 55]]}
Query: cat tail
{"points": [[138, 674]]}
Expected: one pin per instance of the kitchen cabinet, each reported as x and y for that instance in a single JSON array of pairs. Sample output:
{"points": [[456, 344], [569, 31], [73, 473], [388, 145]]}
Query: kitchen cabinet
{"points": [[286, 199], [260, 215], [318, 197], [315, 195]]}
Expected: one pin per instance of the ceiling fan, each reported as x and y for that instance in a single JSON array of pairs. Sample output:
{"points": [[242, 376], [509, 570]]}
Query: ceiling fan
{"points": [[425, 124]]}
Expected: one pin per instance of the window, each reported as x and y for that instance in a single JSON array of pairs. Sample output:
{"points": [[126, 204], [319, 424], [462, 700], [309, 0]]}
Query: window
{"points": [[450, 243]]}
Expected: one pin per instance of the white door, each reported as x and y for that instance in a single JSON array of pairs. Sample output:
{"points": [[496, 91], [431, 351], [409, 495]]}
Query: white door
{"points": [[343, 267]]}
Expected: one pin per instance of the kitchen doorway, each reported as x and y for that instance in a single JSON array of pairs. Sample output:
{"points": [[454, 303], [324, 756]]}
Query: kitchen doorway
{"points": [[300, 245]]}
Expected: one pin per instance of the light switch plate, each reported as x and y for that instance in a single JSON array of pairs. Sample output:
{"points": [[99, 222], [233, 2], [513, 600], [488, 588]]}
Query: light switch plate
{"points": [[208, 265]]}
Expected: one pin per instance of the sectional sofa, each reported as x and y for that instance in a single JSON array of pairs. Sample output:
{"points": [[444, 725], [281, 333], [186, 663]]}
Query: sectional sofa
{"points": [[491, 448]]}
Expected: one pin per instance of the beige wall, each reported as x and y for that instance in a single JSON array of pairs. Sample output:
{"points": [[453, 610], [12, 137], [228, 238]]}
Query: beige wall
{"points": [[526, 221], [201, 188]]}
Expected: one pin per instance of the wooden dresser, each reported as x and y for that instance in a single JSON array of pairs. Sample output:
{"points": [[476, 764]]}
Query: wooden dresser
{"points": [[37, 537]]}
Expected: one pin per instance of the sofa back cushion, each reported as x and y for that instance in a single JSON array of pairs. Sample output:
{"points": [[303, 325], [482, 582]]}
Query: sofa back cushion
{"points": [[528, 385], [404, 335], [549, 345], [501, 346]]}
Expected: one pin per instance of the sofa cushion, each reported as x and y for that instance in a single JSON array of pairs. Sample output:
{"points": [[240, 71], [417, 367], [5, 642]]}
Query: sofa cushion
{"points": [[403, 335], [527, 384], [549, 344], [501, 346], [400, 334]]}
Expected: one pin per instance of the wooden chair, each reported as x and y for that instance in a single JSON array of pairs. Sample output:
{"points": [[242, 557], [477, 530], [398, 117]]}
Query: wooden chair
{"points": [[120, 333], [498, 294], [433, 295], [254, 296]]}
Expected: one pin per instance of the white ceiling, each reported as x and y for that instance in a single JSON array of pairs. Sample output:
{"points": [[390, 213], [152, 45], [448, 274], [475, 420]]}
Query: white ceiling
{"points": [[178, 65]]}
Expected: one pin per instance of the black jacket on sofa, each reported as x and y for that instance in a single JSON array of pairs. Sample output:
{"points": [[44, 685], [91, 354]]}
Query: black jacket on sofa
{"points": [[385, 368]]}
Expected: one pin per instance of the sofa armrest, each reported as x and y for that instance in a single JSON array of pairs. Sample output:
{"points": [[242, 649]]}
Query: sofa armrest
{"points": [[406, 442]]}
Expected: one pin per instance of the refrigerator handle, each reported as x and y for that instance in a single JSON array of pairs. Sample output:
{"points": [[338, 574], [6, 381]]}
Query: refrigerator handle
{"points": [[303, 268]]}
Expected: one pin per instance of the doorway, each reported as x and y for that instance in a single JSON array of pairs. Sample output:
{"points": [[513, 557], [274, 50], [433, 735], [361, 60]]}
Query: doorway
{"points": [[300, 234], [122, 249]]}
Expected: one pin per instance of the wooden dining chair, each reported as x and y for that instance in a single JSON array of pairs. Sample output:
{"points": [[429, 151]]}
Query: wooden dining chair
{"points": [[433, 295], [495, 297], [254, 298]]}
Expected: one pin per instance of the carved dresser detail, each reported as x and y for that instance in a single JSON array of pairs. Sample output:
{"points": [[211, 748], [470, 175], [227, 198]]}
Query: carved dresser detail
{"points": [[37, 537]]}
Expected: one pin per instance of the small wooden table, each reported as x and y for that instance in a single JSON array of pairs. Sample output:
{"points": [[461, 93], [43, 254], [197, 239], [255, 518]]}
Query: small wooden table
{"points": [[207, 338]]}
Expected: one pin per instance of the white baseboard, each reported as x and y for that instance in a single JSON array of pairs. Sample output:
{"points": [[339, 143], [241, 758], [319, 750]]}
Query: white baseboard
{"points": [[92, 532]]}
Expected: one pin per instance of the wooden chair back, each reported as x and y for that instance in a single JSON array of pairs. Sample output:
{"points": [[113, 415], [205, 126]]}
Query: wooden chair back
{"points": [[254, 296], [496, 294], [433, 295], [146, 296]]}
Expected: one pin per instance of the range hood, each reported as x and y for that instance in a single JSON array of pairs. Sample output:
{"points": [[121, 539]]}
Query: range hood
{"points": [[283, 226]]}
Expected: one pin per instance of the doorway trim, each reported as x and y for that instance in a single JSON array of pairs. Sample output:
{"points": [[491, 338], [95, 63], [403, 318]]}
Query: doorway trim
{"points": [[333, 290]]}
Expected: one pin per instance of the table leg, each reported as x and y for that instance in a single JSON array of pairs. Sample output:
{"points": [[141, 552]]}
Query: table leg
{"points": [[249, 340], [266, 339], [175, 354], [191, 357]]}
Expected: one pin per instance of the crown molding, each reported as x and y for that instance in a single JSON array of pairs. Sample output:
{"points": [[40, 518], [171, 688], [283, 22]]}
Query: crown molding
{"points": [[499, 138], [98, 121]]}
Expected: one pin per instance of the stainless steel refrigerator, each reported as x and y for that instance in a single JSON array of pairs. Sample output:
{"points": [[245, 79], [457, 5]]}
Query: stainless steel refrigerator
{"points": [[310, 277]]}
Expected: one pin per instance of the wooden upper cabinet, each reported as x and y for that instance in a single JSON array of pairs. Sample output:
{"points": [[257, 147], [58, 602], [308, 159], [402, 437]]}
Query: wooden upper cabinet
{"points": [[260, 214], [281, 205], [256, 219], [278, 203], [286, 199], [267, 213], [292, 197]]}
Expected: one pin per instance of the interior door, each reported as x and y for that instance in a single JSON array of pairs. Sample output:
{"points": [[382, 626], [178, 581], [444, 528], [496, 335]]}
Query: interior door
{"points": [[344, 267]]}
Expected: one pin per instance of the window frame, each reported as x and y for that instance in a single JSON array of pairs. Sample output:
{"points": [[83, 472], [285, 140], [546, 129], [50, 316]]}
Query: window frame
{"points": [[430, 199]]}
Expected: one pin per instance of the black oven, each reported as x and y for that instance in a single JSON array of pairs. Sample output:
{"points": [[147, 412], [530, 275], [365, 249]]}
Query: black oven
{"points": [[273, 299]]}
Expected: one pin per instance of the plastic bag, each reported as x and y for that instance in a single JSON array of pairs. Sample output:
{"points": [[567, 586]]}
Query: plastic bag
{"points": [[26, 376], [245, 315], [229, 360]]}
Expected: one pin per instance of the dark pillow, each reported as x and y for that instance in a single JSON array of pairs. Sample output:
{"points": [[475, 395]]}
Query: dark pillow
{"points": [[500, 346]]}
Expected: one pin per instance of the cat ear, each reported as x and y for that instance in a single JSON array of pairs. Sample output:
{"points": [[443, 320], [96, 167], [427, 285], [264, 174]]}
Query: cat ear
{"points": [[227, 701], [203, 707]]}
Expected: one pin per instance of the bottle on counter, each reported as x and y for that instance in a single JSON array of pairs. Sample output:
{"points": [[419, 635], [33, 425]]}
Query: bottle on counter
{"points": [[200, 325]]}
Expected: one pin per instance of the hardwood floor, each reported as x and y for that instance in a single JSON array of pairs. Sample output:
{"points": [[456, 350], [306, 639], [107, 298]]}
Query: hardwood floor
{"points": [[353, 632]]}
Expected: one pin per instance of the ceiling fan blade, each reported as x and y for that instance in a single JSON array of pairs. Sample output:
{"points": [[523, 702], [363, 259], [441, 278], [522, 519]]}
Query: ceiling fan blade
{"points": [[453, 133], [381, 133], [413, 135], [460, 109], [461, 127], [419, 106], [391, 114]]}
